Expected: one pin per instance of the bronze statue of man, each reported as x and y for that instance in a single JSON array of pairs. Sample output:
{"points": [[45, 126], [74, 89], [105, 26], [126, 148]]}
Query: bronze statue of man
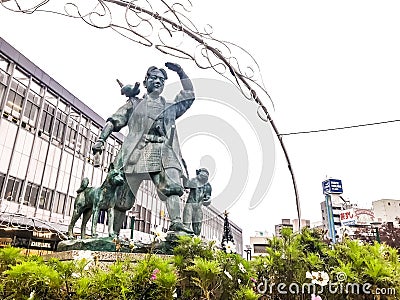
{"points": [[151, 149], [199, 195]]}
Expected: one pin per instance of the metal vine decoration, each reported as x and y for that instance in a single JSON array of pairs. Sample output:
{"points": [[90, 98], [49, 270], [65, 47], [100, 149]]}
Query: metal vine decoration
{"points": [[165, 25], [14, 221]]}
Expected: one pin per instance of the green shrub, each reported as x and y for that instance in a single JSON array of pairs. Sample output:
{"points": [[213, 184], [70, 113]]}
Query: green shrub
{"points": [[99, 284], [9, 256], [31, 277], [198, 271], [153, 278]]}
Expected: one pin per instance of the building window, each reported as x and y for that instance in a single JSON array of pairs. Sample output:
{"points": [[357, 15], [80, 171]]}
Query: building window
{"points": [[69, 206], [125, 223], [3, 76], [31, 194], [102, 217], [59, 126], [148, 221], [72, 128], [13, 189], [2, 89], [59, 201], [2, 177], [94, 133], [46, 120], [4, 63], [389, 203], [83, 133], [36, 87], [14, 101], [45, 199], [30, 112], [260, 248]]}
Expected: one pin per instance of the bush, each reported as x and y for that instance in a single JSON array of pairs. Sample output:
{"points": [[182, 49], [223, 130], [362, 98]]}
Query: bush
{"points": [[9, 256], [198, 270]]}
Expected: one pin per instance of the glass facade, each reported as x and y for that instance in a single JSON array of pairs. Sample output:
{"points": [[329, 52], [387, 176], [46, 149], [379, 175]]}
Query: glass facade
{"points": [[44, 147], [45, 151]]}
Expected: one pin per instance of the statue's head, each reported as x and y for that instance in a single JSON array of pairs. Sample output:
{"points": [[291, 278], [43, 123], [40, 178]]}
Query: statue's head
{"points": [[202, 174], [154, 80]]}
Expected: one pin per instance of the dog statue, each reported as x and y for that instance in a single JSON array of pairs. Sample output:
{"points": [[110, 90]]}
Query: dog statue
{"points": [[93, 199]]}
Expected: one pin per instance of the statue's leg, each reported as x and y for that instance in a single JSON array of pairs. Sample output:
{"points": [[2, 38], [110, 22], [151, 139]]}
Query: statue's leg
{"points": [[187, 214], [169, 189], [75, 216], [85, 218], [197, 219], [196, 228], [111, 218], [78, 210], [119, 217], [125, 199], [95, 218]]}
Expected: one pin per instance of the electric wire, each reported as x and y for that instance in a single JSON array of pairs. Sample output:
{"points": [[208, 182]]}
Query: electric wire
{"points": [[339, 128]]}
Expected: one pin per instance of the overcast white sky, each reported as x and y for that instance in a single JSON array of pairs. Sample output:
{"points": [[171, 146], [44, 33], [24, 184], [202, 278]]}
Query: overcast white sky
{"points": [[325, 64]]}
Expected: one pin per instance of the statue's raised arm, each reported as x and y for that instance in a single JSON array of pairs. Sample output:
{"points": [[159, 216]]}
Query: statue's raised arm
{"points": [[185, 98]]}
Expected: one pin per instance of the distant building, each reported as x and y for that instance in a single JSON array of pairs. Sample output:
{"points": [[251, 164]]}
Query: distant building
{"points": [[285, 224], [302, 224], [387, 210], [294, 224], [317, 224], [258, 243]]}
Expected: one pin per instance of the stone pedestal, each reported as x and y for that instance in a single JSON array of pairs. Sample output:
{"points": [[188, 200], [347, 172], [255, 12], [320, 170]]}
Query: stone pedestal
{"points": [[99, 256], [101, 259], [99, 244], [173, 236], [123, 246]]}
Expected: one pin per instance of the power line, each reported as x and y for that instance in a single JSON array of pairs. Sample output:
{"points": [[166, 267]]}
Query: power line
{"points": [[340, 128]]}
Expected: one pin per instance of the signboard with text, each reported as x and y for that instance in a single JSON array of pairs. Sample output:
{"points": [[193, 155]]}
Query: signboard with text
{"points": [[332, 186], [356, 216], [347, 217]]}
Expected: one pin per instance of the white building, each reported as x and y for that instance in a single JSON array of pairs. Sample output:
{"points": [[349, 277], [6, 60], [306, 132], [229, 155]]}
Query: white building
{"points": [[386, 210], [286, 223], [297, 226], [258, 243]]}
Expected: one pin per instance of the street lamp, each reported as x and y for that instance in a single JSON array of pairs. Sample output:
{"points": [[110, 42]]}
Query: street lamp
{"points": [[375, 225], [133, 215], [248, 252]]}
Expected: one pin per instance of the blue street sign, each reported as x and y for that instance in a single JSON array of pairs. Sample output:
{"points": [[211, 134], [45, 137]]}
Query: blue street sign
{"points": [[332, 186], [331, 222]]}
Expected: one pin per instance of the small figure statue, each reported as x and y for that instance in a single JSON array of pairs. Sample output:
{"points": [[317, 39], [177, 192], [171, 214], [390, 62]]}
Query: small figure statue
{"points": [[151, 149], [199, 195]]}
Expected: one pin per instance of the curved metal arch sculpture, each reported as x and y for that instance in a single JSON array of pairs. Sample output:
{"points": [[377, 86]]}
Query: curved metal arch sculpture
{"points": [[165, 27]]}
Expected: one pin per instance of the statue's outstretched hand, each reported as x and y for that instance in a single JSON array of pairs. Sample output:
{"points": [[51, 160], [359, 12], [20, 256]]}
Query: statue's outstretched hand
{"points": [[206, 201], [98, 147], [174, 67]]}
